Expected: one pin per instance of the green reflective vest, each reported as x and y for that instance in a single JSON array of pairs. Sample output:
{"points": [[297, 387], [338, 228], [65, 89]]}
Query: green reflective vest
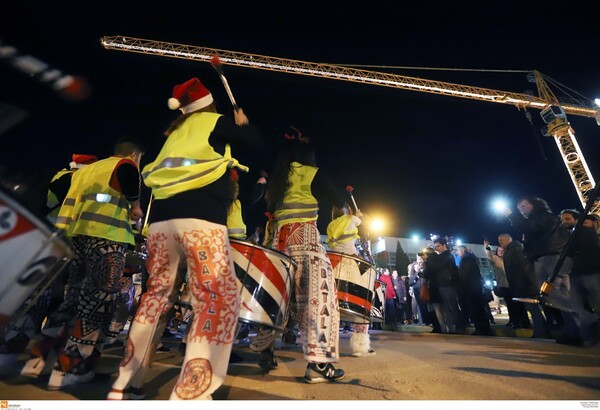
{"points": [[93, 208], [235, 224], [299, 204], [186, 160], [341, 230]]}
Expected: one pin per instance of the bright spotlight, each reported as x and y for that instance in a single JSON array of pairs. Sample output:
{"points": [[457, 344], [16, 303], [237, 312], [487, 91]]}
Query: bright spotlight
{"points": [[597, 101], [458, 242], [377, 225], [488, 283], [415, 238], [498, 205]]}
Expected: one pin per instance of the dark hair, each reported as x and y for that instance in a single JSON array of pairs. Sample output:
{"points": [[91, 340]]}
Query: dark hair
{"points": [[125, 146], [592, 217], [573, 212], [441, 241], [293, 150], [539, 204]]}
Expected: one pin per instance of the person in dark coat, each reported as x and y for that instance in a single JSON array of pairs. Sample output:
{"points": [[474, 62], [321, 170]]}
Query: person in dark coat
{"points": [[471, 291], [442, 273]]}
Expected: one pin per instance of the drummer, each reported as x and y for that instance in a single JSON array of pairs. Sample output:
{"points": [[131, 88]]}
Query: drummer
{"points": [[342, 233], [190, 181], [23, 327], [293, 194]]}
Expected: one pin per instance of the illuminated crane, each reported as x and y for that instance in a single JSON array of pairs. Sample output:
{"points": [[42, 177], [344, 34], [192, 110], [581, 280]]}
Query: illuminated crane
{"points": [[553, 111]]}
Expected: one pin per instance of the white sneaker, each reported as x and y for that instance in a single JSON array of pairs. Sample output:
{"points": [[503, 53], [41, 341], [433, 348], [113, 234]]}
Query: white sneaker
{"points": [[60, 380], [33, 367]]}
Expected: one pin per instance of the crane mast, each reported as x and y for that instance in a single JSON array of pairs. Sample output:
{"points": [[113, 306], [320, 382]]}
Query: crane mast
{"points": [[553, 111]]}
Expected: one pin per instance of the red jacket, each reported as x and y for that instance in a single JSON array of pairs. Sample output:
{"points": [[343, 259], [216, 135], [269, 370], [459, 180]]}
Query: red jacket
{"points": [[390, 293]]}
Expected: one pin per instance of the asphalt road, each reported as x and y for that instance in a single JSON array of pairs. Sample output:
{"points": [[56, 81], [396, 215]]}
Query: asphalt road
{"points": [[409, 365]]}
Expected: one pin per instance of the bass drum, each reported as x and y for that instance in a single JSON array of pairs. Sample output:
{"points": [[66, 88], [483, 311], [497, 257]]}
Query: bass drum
{"points": [[355, 281], [32, 255], [266, 279]]}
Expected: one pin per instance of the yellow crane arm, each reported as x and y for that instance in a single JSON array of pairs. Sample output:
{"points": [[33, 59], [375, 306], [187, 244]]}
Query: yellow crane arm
{"points": [[558, 127], [335, 72]]}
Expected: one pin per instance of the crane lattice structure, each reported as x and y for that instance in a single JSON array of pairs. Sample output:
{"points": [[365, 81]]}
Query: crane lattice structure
{"points": [[553, 111]]}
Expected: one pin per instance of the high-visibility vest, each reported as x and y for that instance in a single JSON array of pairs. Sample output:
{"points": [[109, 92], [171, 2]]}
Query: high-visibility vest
{"points": [[52, 202], [186, 160], [299, 204], [93, 208], [341, 230], [235, 224]]}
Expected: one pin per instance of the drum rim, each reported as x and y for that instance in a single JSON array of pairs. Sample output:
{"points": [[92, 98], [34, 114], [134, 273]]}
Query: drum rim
{"points": [[263, 248], [356, 257]]}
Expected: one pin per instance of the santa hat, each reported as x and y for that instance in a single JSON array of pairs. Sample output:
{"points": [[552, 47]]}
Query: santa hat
{"points": [[81, 160], [190, 96]]}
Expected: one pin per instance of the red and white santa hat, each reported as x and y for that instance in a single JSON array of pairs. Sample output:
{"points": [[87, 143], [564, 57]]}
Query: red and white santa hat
{"points": [[190, 96], [81, 160]]}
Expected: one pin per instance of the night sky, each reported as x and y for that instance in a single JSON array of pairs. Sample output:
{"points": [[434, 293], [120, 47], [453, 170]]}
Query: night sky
{"points": [[430, 164]]}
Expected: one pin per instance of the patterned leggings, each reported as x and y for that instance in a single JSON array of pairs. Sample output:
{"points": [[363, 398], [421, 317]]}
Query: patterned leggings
{"points": [[204, 249], [88, 307], [316, 294]]}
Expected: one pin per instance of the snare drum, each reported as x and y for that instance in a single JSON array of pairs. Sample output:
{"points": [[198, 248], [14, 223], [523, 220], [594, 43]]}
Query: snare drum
{"points": [[266, 279], [355, 280], [135, 260], [32, 254]]}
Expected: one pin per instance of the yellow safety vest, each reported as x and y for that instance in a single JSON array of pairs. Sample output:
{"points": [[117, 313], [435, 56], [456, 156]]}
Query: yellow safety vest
{"points": [[52, 202], [186, 160], [235, 224], [299, 204], [93, 208], [341, 230]]}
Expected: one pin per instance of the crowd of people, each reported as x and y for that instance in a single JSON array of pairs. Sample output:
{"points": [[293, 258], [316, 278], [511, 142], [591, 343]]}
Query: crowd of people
{"points": [[196, 208]]}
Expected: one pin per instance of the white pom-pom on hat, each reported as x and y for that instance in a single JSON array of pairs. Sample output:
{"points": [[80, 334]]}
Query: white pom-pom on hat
{"points": [[174, 103]]}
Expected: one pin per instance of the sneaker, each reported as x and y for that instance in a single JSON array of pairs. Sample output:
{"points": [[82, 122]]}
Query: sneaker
{"points": [[322, 373], [371, 352], [268, 361], [130, 393], [33, 367], [61, 380]]}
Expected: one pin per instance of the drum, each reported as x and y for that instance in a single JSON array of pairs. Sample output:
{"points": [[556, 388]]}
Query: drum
{"points": [[266, 278], [355, 280], [378, 311], [32, 255], [135, 260]]}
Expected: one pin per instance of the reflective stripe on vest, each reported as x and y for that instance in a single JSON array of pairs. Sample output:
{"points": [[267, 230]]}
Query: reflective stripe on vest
{"points": [[93, 208], [299, 205], [187, 161]]}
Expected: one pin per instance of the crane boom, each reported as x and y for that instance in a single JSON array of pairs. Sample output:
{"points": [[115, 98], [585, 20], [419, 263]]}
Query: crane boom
{"points": [[559, 128]]}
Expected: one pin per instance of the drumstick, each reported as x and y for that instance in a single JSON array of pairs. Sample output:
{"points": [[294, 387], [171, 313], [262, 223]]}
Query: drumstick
{"points": [[218, 66], [350, 188], [147, 213]]}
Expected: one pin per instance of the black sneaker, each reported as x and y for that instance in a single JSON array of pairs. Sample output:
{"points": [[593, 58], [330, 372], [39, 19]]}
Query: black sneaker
{"points": [[322, 373], [268, 361]]}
